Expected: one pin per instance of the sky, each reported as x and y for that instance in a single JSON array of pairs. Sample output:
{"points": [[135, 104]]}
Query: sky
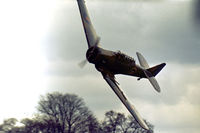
{"points": [[42, 42]]}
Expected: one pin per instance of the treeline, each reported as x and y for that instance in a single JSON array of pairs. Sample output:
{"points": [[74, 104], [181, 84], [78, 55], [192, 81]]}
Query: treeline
{"points": [[67, 113]]}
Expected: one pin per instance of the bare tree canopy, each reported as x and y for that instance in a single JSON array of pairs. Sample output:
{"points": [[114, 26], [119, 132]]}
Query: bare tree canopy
{"points": [[68, 111], [118, 123], [8, 124]]}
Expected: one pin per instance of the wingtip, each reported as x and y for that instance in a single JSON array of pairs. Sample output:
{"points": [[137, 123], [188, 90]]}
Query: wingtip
{"points": [[159, 90], [138, 53], [144, 126]]}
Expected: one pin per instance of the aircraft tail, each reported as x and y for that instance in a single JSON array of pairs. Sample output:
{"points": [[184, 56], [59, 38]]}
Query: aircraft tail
{"points": [[150, 73], [156, 69]]}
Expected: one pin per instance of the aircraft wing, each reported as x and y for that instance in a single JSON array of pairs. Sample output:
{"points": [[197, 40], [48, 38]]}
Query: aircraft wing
{"points": [[113, 84], [91, 36]]}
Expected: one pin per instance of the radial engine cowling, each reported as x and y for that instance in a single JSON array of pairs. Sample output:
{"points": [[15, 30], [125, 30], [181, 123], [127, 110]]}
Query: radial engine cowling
{"points": [[91, 54]]}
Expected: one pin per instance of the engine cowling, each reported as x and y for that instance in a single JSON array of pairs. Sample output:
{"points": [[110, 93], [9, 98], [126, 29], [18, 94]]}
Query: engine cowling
{"points": [[91, 54]]}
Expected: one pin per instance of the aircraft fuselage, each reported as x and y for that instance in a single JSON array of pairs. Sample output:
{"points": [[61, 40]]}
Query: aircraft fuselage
{"points": [[110, 62]]}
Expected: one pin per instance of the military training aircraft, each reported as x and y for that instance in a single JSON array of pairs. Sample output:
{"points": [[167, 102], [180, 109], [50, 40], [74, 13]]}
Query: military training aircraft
{"points": [[110, 63]]}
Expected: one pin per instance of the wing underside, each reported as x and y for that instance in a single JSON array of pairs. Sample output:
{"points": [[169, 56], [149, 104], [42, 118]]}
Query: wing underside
{"points": [[91, 36], [125, 101]]}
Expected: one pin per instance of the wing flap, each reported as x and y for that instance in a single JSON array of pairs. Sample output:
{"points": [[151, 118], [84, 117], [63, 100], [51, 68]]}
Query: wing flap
{"points": [[91, 36], [125, 101]]}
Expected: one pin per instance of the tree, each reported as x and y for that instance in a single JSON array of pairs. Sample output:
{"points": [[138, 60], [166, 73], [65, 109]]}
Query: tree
{"points": [[67, 113], [33, 125], [117, 123], [8, 125]]}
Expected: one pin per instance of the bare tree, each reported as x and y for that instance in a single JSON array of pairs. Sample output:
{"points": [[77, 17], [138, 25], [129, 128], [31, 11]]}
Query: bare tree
{"points": [[33, 125], [68, 112], [8, 125], [117, 123]]}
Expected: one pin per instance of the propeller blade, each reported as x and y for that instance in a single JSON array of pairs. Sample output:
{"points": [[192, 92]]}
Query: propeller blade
{"points": [[82, 63]]}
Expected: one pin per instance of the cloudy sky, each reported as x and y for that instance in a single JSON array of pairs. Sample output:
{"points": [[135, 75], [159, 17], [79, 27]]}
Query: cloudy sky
{"points": [[42, 42]]}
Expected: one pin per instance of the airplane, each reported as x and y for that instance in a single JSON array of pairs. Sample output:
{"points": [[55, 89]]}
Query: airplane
{"points": [[110, 63]]}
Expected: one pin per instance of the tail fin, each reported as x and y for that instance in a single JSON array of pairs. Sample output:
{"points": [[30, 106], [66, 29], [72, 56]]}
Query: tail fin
{"points": [[156, 69]]}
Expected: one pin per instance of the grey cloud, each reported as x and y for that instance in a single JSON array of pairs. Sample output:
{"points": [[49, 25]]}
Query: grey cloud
{"points": [[196, 5], [176, 82], [160, 29], [92, 88], [66, 40], [163, 29], [63, 68]]}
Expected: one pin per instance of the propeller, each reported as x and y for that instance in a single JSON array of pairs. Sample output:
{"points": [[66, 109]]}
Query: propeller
{"points": [[82, 63]]}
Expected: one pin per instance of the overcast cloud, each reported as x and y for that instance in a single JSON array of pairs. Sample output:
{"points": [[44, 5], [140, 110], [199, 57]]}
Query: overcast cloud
{"points": [[153, 28], [162, 30]]}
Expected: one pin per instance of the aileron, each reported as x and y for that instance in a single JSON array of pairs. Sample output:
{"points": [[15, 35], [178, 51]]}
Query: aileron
{"points": [[92, 38]]}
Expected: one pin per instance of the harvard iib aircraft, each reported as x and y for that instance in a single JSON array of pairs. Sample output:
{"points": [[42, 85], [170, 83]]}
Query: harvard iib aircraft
{"points": [[110, 63]]}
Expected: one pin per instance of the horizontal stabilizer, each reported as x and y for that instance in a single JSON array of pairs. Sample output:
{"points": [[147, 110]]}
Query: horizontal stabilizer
{"points": [[142, 61], [152, 80], [150, 73], [154, 83]]}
